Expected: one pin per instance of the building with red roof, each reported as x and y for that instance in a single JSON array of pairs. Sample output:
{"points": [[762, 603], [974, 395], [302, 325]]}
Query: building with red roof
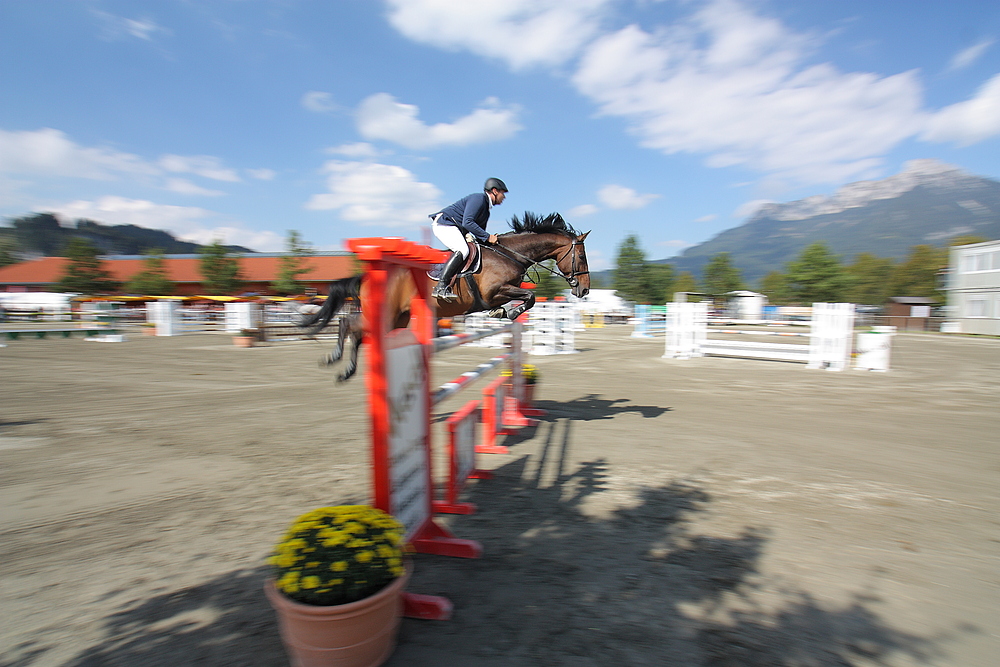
{"points": [[258, 271]]}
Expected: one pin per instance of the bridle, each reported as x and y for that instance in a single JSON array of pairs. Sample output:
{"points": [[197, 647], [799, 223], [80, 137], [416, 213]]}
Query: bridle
{"points": [[570, 277]]}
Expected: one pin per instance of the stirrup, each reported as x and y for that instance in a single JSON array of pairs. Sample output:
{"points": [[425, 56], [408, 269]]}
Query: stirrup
{"points": [[444, 293]]}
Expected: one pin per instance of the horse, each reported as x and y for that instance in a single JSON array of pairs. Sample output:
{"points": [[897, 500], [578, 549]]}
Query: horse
{"points": [[494, 287]]}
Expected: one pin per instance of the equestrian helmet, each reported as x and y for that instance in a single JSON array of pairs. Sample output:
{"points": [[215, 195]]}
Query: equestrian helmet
{"points": [[494, 183]]}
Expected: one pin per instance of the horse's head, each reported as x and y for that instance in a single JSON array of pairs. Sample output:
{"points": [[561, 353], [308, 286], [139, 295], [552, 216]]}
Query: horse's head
{"points": [[561, 243], [573, 265]]}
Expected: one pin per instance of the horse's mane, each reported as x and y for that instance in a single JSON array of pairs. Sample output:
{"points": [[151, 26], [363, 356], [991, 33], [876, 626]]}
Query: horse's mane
{"points": [[553, 223]]}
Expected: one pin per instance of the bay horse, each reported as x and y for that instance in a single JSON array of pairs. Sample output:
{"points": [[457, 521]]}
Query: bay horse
{"points": [[494, 287]]}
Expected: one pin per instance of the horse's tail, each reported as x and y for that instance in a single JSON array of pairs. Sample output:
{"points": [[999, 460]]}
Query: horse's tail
{"points": [[340, 291]]}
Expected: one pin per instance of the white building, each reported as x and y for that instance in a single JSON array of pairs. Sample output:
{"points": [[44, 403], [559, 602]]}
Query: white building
{"points": [[974, 288]]}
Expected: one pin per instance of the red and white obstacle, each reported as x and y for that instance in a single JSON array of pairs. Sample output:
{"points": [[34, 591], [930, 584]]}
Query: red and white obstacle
{"points": [[400, 400]]}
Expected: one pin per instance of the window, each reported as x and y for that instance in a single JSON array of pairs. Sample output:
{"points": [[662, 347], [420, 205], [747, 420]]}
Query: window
{"points": [[975, 307]]}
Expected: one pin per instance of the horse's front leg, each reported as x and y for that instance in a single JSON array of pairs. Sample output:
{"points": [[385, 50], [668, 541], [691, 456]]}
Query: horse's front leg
{"points": [[507, 293]]}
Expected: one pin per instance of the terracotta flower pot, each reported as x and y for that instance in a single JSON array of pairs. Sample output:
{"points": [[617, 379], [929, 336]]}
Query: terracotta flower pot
{"points": [[529, 393], [356, 634], [243, 341]]}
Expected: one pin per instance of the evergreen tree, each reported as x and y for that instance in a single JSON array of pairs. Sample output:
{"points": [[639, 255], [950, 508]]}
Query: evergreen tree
{"points": [[293, 265], [220, 271], [153, 279], [870, 277], [630, 271], [775, 286], [660, 283], [8, 248], [817, 276], [721, 276], [41, 233], [918, 274], [85, 272], [686, 282]]}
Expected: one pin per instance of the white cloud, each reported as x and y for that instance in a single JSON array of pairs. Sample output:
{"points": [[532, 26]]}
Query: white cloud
{"points": [[706, 218], [747, 209], [187, 223], [262, 174], [186, 187], [47, 153], [382, 117], [50, 152], [676, 243], [970, 121], [359, 149], [376, 194], [205, 166], [319, 102], [582, 211], [733, 84], [969, 55], [620, 197], [726, 82], [520, 33], [115, 27]]}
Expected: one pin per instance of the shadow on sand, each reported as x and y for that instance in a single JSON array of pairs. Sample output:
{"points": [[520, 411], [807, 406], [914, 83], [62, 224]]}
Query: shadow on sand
{"points": [[555, 587]]}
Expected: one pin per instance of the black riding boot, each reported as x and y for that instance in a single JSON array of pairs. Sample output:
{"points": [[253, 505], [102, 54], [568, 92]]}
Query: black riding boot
{"points": [[443, 289]]}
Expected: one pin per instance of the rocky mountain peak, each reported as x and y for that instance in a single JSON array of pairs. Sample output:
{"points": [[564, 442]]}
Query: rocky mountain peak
{"points": [[927, 173]]}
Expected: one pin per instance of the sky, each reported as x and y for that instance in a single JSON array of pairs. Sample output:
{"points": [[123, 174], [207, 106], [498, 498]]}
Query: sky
{"points": [[673, 120]]}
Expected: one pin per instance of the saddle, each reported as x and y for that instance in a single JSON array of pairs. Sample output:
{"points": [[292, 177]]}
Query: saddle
{"points": [[473, 263]]}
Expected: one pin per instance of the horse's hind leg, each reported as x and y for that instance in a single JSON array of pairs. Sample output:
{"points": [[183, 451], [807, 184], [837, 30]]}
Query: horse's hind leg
{"points": [[343, 331], [351, 367]]}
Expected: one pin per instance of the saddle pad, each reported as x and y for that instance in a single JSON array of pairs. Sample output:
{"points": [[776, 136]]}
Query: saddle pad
{"points": [[472, 263]]}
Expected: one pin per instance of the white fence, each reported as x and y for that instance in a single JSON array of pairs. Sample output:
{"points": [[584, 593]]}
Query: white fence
{"points": [[830, 337]]}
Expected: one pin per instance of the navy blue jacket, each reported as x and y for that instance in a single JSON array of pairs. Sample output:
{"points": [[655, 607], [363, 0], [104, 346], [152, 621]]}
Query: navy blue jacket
{"points": [[470, 214]]}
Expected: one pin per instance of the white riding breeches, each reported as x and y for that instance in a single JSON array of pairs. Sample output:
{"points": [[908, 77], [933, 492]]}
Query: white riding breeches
{"points": [[451, 236]]}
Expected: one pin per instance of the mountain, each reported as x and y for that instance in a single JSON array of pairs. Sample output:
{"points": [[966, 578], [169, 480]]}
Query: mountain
{"points": [[43, 234], [929, 202]]}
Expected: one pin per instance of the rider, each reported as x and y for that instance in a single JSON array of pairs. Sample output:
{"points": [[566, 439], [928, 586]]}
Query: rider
{"points": [[467, 215]]}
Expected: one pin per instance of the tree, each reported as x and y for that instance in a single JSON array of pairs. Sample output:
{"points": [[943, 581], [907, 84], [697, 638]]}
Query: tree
{"points": [[918, 274], [775, 286], [153, 279], [721, 276], [870, 277], [292, 265], [40, 232], [967, 239], [686, 282], [220, 271], [660, 283], [817, 276], [85, 272], [630, 271], [8, 249]]}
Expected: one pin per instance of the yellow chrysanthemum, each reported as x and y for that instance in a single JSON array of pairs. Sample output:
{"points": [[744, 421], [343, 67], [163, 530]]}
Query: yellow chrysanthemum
{"points": [[364, 556], [338, 566], [310, 582]]}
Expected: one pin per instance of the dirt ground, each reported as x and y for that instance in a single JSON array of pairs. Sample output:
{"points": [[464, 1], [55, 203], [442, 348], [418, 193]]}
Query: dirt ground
{"points": [[715, 512]]}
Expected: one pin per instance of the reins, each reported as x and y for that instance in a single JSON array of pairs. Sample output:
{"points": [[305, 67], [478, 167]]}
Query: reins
{"points": [[569, 278]]}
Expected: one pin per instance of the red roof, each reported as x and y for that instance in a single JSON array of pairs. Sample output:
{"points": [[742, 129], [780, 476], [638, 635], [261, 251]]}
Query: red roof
{"points": [[264, 269]]}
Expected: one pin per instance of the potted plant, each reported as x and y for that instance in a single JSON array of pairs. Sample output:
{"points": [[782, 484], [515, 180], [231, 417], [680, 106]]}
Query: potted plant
{"points": [[529, 373], [148, 328], [245, 338], [337, 588]]}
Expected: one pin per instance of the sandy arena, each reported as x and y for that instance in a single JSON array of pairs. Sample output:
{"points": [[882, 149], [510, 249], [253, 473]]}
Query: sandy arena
{"points": [[710, 512]]}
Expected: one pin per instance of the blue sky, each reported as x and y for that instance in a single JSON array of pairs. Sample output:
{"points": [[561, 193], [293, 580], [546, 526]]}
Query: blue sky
{"points": [[673, 119]]}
